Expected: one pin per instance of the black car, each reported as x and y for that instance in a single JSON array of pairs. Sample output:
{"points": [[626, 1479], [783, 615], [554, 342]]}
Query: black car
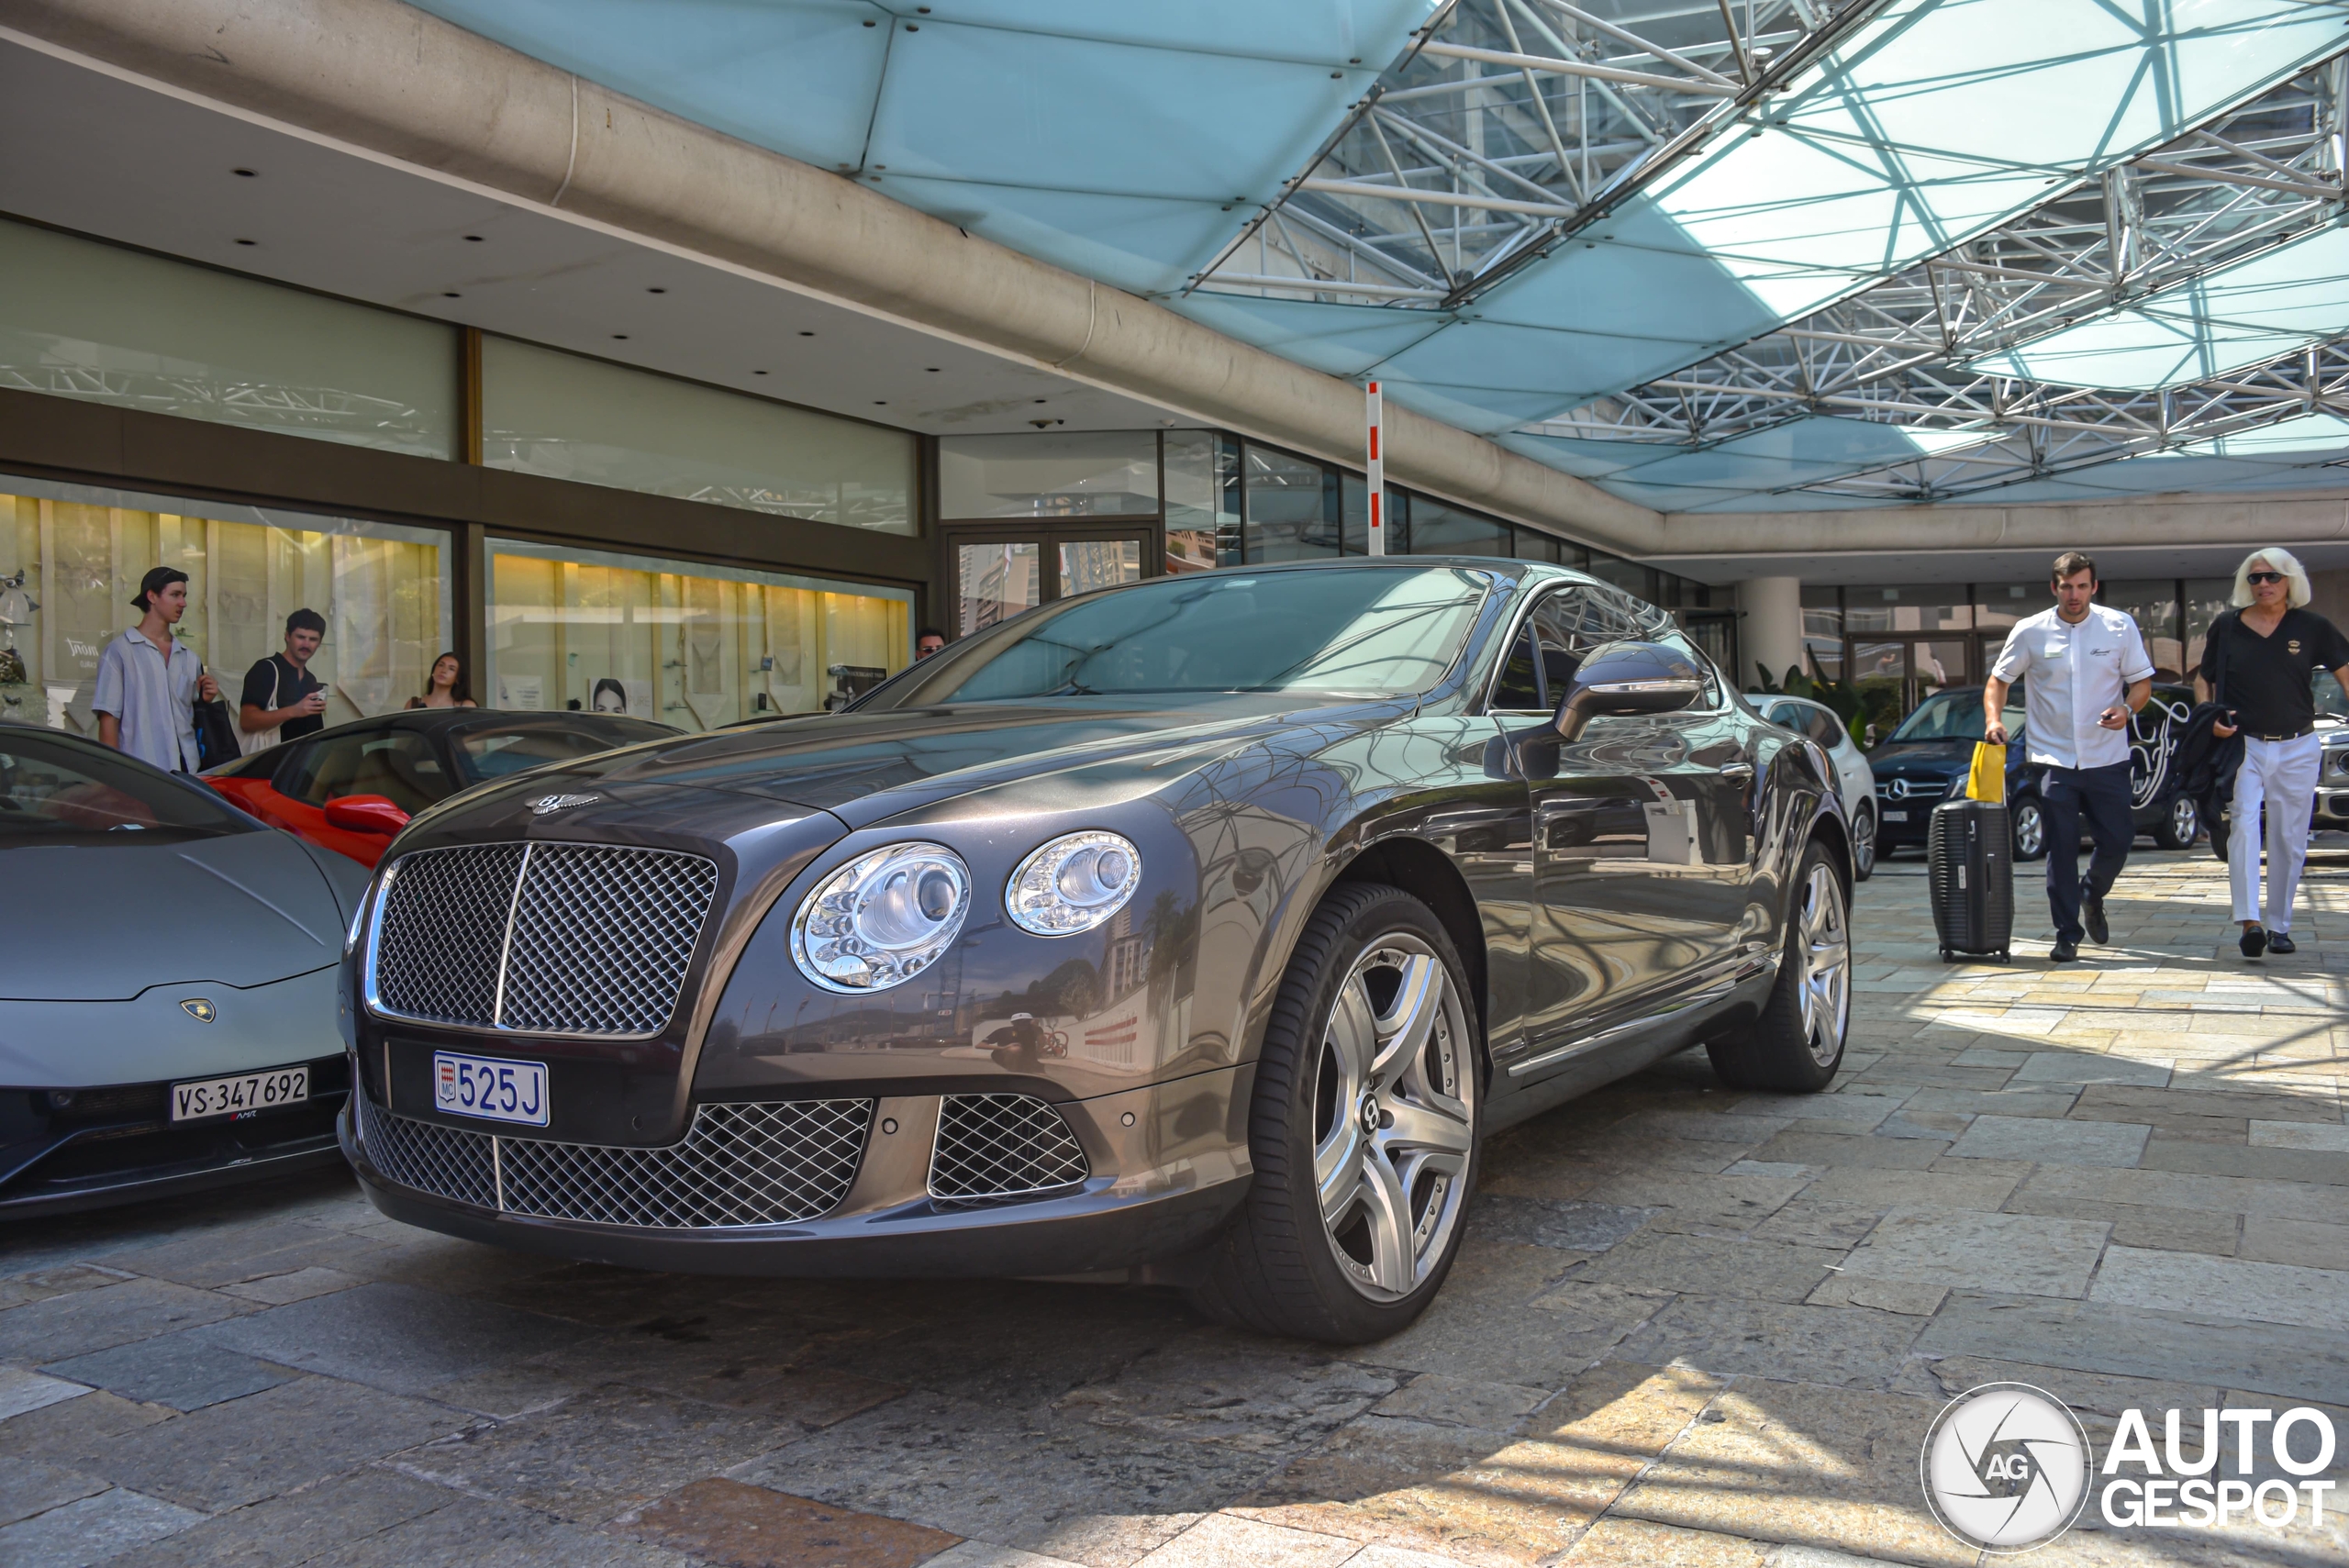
{"points": [[1928, 759], [1194, 931]]}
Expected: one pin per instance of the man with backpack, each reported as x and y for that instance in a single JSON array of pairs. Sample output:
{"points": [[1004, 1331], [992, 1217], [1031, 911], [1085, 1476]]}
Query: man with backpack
{"points": [[2258, 663], [2088, 673]]}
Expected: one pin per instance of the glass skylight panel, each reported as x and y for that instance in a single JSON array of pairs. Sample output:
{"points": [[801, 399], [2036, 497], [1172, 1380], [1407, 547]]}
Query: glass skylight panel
{"points": [[2228, 320], [2308, 435]]}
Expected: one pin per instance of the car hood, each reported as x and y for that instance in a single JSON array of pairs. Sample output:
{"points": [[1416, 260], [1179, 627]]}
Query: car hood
{"points": [[113, 919], [1905, 758], [865, 768]]}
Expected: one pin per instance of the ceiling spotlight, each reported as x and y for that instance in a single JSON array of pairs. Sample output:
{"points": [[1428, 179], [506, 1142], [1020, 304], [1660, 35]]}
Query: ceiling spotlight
{"points": [[931, 369], [245, 173], [656, 291], [1040, 400], [806, 334], [758, 372], [619, 337], [474, 237], [248, 242], [450, 293]]}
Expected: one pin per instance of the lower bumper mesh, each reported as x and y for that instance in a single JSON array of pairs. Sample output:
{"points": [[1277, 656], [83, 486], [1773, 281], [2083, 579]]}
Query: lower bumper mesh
{"points": [[994, 1147], [767, 1163]]}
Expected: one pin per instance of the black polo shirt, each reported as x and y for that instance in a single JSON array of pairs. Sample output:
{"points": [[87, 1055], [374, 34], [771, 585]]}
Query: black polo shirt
{"points": [[2268, 682], [274, 682]]}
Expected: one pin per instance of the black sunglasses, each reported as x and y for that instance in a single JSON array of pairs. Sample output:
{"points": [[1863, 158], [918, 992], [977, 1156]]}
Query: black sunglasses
{"points": [[2262, 576]]}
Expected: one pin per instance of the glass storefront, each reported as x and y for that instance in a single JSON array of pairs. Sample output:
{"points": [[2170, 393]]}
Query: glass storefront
{"points": [[1109, 474], [566, 416], [70, 558], [693, 645]]}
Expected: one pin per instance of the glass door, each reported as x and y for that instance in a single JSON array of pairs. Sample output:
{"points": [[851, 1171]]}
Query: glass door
{"points": [[1000, 573], [1892, 675]]}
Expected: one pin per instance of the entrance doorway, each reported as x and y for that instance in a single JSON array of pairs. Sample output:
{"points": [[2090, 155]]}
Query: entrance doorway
{"points": [[998, 571], [1892, 674]]}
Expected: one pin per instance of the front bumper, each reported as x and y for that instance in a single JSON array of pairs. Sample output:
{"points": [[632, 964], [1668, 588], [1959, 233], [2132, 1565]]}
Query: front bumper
{"points": [[1166, 1165], [56, 1163]]}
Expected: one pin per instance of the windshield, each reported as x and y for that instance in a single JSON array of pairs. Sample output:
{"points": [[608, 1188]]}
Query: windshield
{"points": [[493, 753], [1956, 716], [54, 789], [1354, 632]]}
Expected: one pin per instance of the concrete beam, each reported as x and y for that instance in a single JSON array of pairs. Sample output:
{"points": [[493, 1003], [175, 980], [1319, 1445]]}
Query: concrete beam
{"points": [[394, 84], [2134, 521]]}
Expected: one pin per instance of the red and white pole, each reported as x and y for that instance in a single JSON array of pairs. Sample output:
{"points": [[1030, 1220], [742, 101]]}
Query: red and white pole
{"points": [[1377, 476]]}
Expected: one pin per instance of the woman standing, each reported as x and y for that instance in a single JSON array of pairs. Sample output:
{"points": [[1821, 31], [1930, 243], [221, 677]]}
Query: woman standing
{"points": [[2265, 652], [446, 686]]}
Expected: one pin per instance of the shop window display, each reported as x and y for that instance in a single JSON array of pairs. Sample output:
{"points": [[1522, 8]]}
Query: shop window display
{"points": [[71, 558], [699, 647]]}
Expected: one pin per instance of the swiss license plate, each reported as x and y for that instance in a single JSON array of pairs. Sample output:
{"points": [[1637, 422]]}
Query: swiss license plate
{"points": [[490, 1086], [239, 1094], [1896, 816]]}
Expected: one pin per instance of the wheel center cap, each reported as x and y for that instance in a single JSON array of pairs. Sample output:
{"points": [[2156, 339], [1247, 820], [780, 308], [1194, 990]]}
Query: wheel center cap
{"points": [[1368, 1111]]}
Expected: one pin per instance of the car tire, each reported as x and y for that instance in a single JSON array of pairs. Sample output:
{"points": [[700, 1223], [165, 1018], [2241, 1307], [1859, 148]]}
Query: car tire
{"points": [[1863, 850], [2179, 824], [1797, 1042], [1344, 1106], [2031, 828]]}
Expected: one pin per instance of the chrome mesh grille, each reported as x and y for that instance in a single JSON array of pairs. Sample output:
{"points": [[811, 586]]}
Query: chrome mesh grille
{"points": [[442, 928], [428, 1158], [1002, 1146], [767, 1163], [546, 939]]}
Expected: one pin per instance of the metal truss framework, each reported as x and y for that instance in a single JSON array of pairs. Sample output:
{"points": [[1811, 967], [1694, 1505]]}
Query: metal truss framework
{"points": [[1512, 121], [2267, 171], [1509, 122]]}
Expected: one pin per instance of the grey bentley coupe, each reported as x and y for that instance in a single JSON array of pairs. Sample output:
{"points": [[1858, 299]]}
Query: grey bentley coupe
{"points": [[1193, 931]]}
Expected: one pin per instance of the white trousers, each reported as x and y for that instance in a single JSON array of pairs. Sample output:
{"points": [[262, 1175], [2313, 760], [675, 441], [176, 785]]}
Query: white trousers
{"points": [[2282, 773]]}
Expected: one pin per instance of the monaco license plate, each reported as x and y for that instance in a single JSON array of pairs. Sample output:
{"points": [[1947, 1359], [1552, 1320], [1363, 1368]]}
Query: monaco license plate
{"points": [[490, 1086], [239, 1094], [1896, 816]]}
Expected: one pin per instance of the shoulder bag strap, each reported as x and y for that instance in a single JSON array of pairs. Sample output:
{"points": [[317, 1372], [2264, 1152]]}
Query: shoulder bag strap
{"points": [[2225, 633]]}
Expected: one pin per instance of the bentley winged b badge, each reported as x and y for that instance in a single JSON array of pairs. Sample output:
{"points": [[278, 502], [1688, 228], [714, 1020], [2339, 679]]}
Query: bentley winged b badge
{"points": [[546, 804]]}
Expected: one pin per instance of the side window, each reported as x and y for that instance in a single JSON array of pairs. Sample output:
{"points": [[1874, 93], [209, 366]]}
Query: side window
{"points": [[1673, 639], [398, 765], [1518, 689], [1826, 729], [1572, 622]]}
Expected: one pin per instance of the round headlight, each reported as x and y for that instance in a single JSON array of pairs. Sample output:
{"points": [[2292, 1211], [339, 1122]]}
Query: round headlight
{"points": [[1073, 883], [882, 918]]}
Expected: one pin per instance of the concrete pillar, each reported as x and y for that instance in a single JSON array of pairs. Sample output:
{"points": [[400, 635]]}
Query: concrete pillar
{"points": [[1769, 632]]}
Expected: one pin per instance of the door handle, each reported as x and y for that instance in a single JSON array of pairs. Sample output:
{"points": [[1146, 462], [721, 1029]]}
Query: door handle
{"points": [[1737, 770]]}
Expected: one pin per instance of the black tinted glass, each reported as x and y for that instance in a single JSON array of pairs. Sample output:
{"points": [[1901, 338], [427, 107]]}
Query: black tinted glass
{"points": [[399, 764], [1519, 688], [52, 789], [1347, 631]]}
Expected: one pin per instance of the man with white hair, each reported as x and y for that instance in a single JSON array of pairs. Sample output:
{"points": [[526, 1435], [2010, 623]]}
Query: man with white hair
{"points": [[2260, 659]]}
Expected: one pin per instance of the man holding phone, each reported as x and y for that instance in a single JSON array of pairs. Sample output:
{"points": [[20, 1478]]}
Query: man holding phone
{"points": [[281, 700], [2086, 674]]}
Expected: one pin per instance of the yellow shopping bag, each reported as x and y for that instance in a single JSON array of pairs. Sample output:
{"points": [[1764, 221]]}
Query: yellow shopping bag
{"points": [[1989, 780]]}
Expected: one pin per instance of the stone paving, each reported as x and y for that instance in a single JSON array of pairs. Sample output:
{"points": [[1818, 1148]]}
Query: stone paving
{"points": [[1688, 1327]]}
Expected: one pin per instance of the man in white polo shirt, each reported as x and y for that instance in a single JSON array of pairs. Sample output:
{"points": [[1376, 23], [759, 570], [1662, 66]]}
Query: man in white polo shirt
{"points": [[2086, 673]]}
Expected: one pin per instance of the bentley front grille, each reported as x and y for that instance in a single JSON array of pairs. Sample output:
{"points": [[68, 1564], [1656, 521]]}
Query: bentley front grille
{"points": [[766, 1163], [992, 1147], [547, 938]]}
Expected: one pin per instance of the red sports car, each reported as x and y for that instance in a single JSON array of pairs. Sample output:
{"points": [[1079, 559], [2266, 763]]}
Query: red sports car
{"points": [[351, 788]]}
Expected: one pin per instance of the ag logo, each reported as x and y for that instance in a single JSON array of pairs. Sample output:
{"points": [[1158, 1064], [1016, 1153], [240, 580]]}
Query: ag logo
{"points": [[2006, 1467], [199, 1009]]}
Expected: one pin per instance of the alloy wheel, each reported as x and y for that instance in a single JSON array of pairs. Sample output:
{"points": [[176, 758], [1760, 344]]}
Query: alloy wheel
{"points": [[1395, 1117], [2030, 831], [1823, 947], [2185, 818], [1864, 843]]}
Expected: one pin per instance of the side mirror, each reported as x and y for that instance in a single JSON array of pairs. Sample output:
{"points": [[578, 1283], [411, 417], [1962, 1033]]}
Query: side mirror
{"points": [[365, 814], [1628, 677]]}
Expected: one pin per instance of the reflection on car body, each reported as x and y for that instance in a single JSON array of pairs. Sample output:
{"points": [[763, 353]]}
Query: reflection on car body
{"points": [[1194, 930]]}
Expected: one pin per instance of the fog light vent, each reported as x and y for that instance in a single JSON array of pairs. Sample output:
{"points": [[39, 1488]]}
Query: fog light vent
{"points": [[994, 1147]]}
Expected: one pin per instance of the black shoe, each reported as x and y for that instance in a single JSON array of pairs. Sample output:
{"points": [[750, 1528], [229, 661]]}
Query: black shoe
{"points": [[2092, 917], [2281, 941], [2063, 951], [2255, 941]]}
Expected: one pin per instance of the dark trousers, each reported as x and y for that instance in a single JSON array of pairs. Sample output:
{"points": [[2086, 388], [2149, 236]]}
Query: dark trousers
{"points": [[2101, 796]]}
